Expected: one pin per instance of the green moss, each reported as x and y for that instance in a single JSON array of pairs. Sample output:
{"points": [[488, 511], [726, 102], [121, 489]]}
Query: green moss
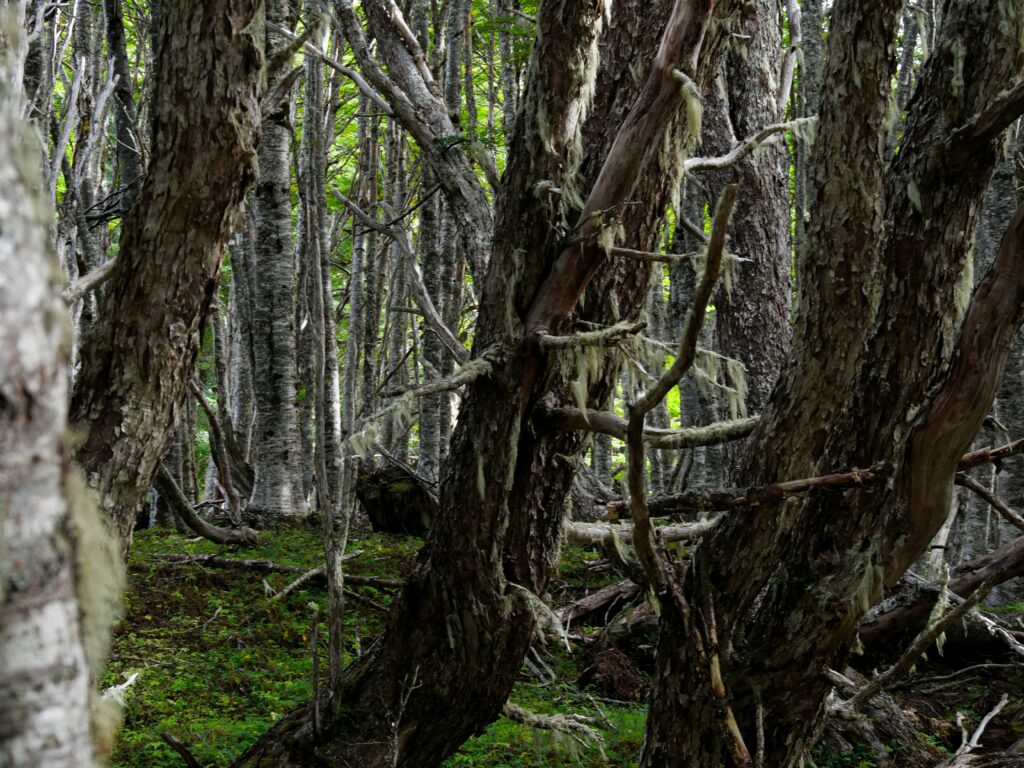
{"points": [[218, 663]]}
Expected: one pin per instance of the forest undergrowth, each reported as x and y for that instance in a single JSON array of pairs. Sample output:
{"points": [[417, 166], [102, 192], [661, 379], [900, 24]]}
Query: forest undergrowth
{"points": [[218, 659]]}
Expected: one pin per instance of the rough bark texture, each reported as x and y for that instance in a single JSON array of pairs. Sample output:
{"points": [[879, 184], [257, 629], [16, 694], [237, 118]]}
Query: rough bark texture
{"points": [[465, 613], [44, 681], [139, 355], [277, 450], [787, 614]]}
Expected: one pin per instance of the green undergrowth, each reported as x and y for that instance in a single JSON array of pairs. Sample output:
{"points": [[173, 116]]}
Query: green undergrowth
{"points": [[218, 661]]}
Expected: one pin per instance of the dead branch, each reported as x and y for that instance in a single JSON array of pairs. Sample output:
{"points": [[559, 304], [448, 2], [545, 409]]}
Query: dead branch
{"points": [[657, 258], [598, 338], [721, 500], [598, 601], [643, 538], [269, 566], [602, 534], [921, 644], [169, 489], [609, 423], [991, 499], [90, 282], [220, 455], [746, 147], [179, 746], [420, 294], [576, 726]]}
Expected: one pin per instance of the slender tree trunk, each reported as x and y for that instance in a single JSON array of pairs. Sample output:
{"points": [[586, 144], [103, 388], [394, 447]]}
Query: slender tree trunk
{"points": [[277, 491]]}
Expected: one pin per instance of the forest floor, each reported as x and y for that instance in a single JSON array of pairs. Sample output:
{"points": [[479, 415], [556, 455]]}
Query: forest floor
{"points": [[218, 660]]}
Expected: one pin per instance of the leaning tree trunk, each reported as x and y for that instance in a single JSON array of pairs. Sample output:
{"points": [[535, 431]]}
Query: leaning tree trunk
{"points": [[914, 395], [137, 359], [459, 630]]}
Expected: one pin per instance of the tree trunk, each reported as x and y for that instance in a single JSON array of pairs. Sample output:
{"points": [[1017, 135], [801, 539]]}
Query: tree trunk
{"points": [[785, 616], [457, 634], [277, 491], [44, 680], [138, 358]]}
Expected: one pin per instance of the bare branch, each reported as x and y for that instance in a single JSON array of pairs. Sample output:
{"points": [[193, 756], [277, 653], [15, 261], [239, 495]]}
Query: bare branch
{"points": [[172, 494], [746, 147], [89, 283], [644, 543], [609, 423], [598, 338], [364, 87], [991, 499], [419, 286], [657, 258]]}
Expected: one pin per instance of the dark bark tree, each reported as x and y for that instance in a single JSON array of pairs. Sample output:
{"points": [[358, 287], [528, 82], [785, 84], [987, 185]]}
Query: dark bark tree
{"points": [[880, 370], [137, 360], [468, 605]]}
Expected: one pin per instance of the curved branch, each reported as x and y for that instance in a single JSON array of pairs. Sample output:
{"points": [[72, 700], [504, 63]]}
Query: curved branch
{"points": [[172, 493]]}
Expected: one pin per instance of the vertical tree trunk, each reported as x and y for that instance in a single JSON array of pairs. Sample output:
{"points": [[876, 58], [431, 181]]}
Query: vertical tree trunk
{"points": [[44, 680], [277, 491]]}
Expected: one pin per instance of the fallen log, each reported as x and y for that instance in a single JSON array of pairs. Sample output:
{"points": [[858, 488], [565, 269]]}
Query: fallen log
{"points": [[601, 600], [268, 566]]}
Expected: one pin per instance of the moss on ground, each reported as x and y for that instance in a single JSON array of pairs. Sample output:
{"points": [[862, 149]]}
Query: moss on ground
{"points": [[218, 661]]}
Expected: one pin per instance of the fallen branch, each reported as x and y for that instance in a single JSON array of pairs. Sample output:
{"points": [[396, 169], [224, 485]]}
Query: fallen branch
{"points": [[601, 534], [917, 649], [597, 601], [268, 566], [576, 726], [170, 491]]}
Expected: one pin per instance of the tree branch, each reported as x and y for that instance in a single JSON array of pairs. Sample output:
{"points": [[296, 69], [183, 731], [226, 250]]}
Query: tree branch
{"points": [[419, 286], [991, 499], [172, 494], [1000, 115], [746, 147], [609, 423]]}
